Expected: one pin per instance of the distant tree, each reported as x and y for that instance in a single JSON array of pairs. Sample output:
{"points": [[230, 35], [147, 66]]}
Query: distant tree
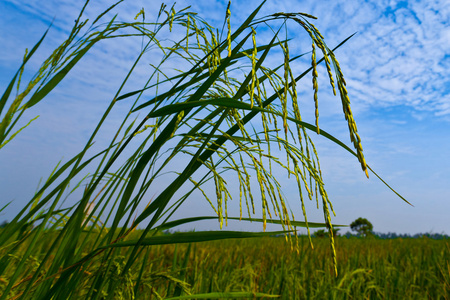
{"points": [[362, 226]]}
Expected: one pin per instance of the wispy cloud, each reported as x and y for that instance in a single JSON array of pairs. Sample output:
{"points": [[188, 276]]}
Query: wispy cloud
{"points": [[402, 57]]}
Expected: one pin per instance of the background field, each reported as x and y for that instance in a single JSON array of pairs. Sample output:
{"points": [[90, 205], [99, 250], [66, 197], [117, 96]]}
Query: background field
{"points": [[368, 269]]}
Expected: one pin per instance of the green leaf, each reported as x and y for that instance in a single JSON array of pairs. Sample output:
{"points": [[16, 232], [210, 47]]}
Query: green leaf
{"points": [[192, 237], [183, 221], [49, 86], [8, 90]]}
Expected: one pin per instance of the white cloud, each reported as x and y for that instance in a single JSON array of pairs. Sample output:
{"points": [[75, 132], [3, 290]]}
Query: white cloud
{"points": [[401, 58]]}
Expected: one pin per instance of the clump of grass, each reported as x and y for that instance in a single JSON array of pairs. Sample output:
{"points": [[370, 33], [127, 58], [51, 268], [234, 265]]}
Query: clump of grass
{"points": [[218, 114]]}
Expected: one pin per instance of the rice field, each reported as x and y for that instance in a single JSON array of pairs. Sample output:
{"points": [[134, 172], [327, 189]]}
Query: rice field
{"points": [[368, 268]]}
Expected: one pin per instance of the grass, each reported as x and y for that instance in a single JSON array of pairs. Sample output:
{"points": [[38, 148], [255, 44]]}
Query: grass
{"points": [[369, 268], [223, 113]]}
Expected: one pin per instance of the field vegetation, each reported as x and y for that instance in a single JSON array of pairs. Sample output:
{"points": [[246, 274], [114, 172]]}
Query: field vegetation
{"points": [[369, 268], [227, 113]]}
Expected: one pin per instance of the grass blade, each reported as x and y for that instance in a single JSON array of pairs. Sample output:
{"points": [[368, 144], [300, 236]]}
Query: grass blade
{"points": [[8, 90], [192, 237]]}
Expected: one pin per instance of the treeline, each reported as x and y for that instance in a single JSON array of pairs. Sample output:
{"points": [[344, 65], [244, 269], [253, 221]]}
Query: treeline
{"points": [[393, 235], [363, 228], [390, 235]]}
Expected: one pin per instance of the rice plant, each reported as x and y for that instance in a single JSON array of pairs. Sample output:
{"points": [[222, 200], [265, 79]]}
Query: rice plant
{"points": [[225, 112], [369, 268]]}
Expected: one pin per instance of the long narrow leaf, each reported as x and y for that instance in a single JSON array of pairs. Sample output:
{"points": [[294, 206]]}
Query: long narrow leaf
{"points": [[8, 90], [192, 237]]}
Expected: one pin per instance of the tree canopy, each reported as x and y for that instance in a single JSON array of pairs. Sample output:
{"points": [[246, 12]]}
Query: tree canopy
{"points": [[362, 226]]}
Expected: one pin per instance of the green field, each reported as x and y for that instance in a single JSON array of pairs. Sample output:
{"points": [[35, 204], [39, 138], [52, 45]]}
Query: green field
{"points": [[368, 269]]}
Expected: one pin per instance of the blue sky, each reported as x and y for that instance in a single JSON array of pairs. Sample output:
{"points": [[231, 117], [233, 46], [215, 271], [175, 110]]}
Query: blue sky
{"points": [[397, 69]]}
